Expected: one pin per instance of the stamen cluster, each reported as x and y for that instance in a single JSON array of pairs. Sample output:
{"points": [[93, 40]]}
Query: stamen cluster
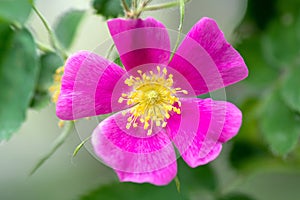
{"points": [[152, 99]]}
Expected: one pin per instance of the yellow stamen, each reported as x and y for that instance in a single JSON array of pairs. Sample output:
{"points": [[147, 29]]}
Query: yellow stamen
{"points": [[61, 123], [55, 88], [152, 99]]}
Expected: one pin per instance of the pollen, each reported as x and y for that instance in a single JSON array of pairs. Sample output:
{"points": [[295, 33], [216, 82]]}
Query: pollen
{"points": [[152, 99], [55, 88]]}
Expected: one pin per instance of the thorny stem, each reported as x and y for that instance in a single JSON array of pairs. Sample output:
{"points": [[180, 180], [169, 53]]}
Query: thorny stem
{"points": [[68, 128], [52, 37]]}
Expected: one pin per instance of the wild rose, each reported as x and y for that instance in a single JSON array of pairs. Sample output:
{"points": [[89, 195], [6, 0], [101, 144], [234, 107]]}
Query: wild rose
{"points": [[154, 99]]}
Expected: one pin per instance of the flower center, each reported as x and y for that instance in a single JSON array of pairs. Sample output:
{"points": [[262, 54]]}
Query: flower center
{"points": [[152, 99]]}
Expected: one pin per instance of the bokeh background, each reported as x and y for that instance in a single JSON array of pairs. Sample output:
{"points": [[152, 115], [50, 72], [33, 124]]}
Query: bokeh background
{"points": [[261, 163]]}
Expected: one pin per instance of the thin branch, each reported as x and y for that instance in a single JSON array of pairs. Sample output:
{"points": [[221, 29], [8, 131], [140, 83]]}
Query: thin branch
{"points": [[68, 128], [45, 23], [125, 6], [52, 37], [110, 50], [182, 13], [162, 6], [134, 5], [177, 183], [145, 3], [80, 145], [43, 47]]}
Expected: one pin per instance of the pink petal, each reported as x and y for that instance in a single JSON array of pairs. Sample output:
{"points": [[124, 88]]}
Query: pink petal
{"points": [[140, 41], [87, 86], [159, 177], [134, 155], [207, 60], [200, 143]]}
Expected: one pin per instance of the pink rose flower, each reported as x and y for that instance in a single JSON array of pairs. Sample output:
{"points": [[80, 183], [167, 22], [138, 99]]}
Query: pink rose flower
{"points": [[154, 99]]}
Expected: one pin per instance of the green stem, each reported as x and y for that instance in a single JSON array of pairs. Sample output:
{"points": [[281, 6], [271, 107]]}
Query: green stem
{"points": [[17, 25], [111, 48], [177, 183], [145, 3], [125, 6], [80, 146], [43, 47], [161, 6], [45, 23], [139, 10], [134, 5], [52, 37], [68, 128], [182, 13]]}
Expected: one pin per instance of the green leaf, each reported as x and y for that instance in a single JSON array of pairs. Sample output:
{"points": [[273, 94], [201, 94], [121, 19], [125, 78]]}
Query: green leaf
{"points": [[118, 61], [125, 191], [18, 72], [280, 44], [243, 154], [40, 100], [200, 178], [49, 62], [290, 90], [236, 196], [280, 126], [261, 12], [66, 28], [261, 74], [250, 130], [247, 145], [14, 10], [288, 7], [109, 8], [6, 35]]}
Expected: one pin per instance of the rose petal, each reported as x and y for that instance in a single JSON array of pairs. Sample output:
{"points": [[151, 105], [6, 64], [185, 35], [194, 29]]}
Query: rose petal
{"points": [[218, 121], [159, 177], [134, 155], [87, 86], [207, 60], [140, 41]]}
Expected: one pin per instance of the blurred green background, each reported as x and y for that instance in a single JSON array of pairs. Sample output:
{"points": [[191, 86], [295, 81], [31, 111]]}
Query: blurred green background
{"points": [[261, 163]]}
